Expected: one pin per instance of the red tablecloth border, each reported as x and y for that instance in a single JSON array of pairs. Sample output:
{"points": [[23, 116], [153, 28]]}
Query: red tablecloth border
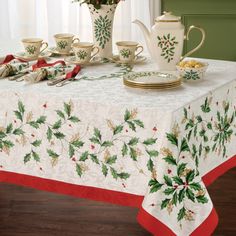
{"points": [[145, 219]]}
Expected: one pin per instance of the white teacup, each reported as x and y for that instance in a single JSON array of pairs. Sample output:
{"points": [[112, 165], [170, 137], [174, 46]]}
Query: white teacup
{"points": [[64, 42], [84, 51], [127, 50], [33, 47]]}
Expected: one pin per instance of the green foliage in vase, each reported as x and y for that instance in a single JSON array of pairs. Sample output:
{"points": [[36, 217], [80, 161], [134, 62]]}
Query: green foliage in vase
{"points": [[97, 3]]}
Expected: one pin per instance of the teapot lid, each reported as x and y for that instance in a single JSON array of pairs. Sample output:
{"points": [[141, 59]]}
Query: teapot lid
{"points": [[168, 17]]}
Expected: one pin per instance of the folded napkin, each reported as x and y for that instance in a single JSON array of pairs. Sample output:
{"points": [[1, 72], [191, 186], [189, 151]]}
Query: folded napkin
{"points": [[51, 72], [12, 66], [41, 70]]}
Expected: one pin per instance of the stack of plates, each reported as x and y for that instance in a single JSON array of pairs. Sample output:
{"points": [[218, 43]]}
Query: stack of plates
{"points": [[151, 80]]}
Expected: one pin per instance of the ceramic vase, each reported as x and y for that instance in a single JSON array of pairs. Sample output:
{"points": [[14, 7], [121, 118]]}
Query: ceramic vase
{"points": [[102, 21]]}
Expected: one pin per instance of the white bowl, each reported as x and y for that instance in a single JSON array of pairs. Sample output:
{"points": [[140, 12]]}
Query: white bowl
{"points": [[192, 74]]}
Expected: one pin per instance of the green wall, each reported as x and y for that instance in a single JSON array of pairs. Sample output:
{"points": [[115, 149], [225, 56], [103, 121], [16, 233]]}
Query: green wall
{"points": [[217, 17]]}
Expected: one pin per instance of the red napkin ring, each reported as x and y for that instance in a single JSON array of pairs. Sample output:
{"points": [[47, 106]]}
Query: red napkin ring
{"points": [[42, 63], [10, 58], [73, 73]]}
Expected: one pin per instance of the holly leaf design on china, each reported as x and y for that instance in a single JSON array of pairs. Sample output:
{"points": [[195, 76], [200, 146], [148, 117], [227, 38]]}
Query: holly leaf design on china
{"points": [[167, 44]]}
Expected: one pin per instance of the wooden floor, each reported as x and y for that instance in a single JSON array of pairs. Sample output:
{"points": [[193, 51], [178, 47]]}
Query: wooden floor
{"points": [[28, 212]]}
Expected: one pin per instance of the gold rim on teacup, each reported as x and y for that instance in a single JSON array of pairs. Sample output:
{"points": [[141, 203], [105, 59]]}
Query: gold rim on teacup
{"points": [[127, 50], [33, 45], [84, 51]]}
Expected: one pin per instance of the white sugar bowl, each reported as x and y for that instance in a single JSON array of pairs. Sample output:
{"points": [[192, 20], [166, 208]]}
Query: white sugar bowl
{"points": [[192, 70]]}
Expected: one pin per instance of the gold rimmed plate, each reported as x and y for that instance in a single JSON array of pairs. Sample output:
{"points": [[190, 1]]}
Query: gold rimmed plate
{"points": [[56, 52], [72, 60], [137, 60], [153, 87], [151, 78], [24, 57]]}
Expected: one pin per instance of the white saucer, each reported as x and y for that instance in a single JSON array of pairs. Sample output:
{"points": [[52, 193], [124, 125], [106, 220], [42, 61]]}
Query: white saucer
{"points": [[54, 51], [139, 59], [22, 56], [72, 60]]}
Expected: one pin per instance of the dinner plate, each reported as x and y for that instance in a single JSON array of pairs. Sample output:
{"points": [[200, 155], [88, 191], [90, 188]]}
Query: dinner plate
{"points": [[151, 78], [156, 85], [153, 87]]}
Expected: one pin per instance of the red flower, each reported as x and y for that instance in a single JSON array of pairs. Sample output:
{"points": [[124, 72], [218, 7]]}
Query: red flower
{"points": [[169, 171], [32, 135], [154, 129], [73, 159], [1, 166], [92, 146], [123, 185], [41, 168], [45, 105], [126, 131]]}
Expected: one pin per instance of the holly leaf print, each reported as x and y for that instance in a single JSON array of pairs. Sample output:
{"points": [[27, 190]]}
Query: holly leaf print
{"points": [[172, 138], [150, 141], [155, 185], [170, 160], [181, 213]]}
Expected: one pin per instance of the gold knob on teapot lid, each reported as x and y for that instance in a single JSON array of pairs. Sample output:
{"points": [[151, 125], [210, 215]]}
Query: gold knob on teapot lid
{"points": [[168, 17]]}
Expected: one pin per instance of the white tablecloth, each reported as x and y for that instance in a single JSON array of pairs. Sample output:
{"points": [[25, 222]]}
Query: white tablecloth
{"points": [[155, 145]]}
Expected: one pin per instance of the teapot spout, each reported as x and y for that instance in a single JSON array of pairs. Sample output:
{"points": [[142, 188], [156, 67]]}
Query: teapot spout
{"points": [[146, 33]]}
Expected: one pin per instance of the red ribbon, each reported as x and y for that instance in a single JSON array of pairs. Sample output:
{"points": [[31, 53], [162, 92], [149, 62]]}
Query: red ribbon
{"points": [[73, 73], [10, 58], [42, 63]]}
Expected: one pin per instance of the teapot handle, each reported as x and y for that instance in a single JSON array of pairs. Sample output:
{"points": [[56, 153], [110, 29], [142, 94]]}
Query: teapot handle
{"points": [[199, 45]]}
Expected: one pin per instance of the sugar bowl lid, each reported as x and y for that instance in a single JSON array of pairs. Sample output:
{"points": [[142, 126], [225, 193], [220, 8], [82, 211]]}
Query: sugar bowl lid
{"points": [[168, 17]]}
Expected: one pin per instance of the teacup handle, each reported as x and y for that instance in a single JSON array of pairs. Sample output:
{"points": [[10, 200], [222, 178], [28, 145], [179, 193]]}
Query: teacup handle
{"points": [[45, 47], [94, 48], [199, 45], [141, 47], [75, 39]]}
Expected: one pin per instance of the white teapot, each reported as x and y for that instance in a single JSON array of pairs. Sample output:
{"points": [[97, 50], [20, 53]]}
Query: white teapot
{"points": [[166, 39]]}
